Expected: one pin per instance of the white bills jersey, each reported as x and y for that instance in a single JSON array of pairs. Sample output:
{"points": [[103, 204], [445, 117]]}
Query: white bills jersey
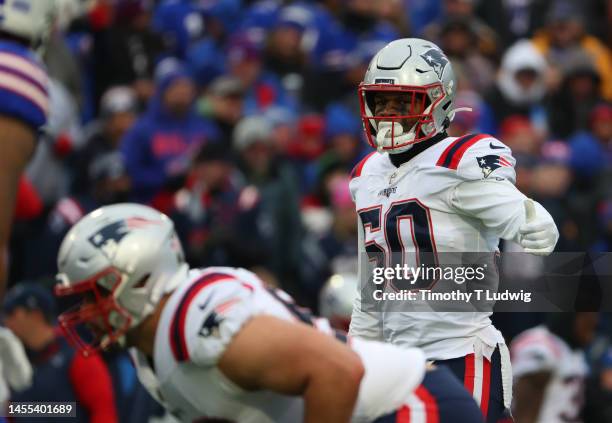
{"points": [[457, 195], [538, 350], [200, 319]]}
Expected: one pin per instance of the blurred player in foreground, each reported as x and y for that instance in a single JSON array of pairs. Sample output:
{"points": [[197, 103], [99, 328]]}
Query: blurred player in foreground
{"points": [[216, 343], [423, 193], [550, 368], [24, 26]]}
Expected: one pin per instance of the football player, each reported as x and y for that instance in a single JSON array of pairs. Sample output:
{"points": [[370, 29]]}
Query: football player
{"points": [[216, 343], [550, 368], [24, 26], [422, 193]]}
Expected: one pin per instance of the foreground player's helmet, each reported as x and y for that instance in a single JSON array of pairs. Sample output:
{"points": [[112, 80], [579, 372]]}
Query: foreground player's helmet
{"points": [[28, 20], [418, 71], [119, 260], [336, 299]]}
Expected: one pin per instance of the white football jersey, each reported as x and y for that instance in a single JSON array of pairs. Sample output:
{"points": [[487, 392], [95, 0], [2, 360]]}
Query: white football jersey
{"points": [[458, 195], [539, 350], [200, 319]]}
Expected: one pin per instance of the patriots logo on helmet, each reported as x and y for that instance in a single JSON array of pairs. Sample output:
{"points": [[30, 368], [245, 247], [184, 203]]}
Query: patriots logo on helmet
{"points": [[109, 236], [491, 162], [436, 59]]}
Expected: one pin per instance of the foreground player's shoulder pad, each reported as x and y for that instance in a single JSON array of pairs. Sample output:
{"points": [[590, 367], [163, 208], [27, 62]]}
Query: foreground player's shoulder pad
{"points": [[479, 156], [23, 85], [208, 317]]}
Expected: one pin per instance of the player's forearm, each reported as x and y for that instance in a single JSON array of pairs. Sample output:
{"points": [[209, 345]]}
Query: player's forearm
{"points": [[18, 146], [331, 397]]}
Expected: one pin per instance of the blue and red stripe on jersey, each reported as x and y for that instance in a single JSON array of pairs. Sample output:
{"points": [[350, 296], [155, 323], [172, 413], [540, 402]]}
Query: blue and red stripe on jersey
{"points": [[451, 156], [356, 172], [178, 342]]}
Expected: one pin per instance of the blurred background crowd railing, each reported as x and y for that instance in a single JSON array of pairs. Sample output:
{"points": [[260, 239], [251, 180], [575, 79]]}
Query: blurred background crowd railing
{"points": [[240, 120]]}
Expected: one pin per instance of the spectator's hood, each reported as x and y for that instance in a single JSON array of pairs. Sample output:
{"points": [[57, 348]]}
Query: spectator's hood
{"points": [[522, 55]]}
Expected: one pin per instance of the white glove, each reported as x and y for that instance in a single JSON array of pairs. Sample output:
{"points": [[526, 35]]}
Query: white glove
{"points": [[16, 368], [539, 234]]}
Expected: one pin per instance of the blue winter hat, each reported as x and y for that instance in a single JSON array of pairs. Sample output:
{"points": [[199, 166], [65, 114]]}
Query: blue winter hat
{"points": [[339, 120], [31, 296], [169, 70]]}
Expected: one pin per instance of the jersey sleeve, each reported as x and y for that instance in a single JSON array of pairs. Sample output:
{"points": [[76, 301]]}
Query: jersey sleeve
{"points": [[210, 314], [533, 353], [485, 183], [23, 86], [487, 158]]}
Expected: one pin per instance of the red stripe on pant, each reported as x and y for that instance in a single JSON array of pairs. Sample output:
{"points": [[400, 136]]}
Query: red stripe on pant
{"points": [[470, 376], [431, 406], [403, 415], [486, 386]]}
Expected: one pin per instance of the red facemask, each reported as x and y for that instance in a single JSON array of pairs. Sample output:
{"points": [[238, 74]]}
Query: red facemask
{"points": [[92, 313]]}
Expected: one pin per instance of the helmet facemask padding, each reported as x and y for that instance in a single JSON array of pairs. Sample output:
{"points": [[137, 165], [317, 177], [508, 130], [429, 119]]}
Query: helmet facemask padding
{"points": [[429, 97]]}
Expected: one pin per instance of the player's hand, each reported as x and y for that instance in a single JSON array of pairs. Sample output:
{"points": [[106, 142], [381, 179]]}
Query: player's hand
{"points": [[539, 234], [16, 367]]}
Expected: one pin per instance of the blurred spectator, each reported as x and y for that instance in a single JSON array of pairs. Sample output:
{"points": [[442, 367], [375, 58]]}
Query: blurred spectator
{"points": [[463, 10], [478, 120], [343, 134], [550, 185], [49, 170], [306, 147], [179, 23], [215, 216], [283, 50], [564, 33], [263, 88], [60, 373], [126, 49], [521, 86], [223, 103], [159, 147], [513, 19], [118, 112], [592, 148], [337, 244], [520, 135], [549, 368], [272, 182], [459, 42], [570, 106]]}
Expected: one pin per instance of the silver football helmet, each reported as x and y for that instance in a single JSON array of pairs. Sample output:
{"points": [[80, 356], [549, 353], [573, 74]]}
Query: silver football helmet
{"points": [[420, 78], [121, 259], [29, 20], [336, 299]]}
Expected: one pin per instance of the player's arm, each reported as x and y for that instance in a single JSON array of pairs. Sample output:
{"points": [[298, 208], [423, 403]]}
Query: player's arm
{"points": [[364, 324], [529, 392], [294, 359], [488, 194], [18, 142]]}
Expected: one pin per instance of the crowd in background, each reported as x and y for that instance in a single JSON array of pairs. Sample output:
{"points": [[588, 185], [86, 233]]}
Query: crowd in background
{"points": [[240, 120]]}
